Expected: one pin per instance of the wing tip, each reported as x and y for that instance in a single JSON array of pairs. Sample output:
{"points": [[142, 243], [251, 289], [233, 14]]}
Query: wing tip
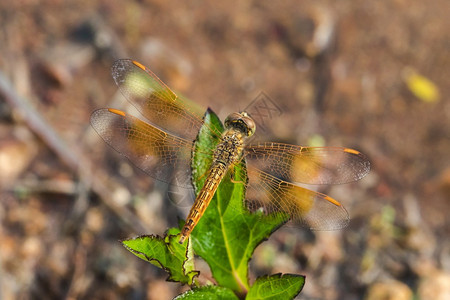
{"points": [[364, 161], [120, 63]]}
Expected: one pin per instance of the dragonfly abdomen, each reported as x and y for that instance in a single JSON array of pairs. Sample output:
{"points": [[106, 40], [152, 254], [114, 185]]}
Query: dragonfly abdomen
{"points": [[227, 153], [217, 172]]}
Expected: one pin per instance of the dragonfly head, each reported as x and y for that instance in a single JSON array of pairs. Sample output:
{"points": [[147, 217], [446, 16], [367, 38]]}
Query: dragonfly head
{"points": [[242, 122]]}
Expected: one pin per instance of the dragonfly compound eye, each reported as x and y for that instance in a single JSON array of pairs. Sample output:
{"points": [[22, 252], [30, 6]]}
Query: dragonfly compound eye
{"points": [[242, 122]]}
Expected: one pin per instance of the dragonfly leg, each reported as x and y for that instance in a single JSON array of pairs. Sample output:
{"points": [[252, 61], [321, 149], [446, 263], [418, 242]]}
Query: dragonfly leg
{"points": [[232, 172]]}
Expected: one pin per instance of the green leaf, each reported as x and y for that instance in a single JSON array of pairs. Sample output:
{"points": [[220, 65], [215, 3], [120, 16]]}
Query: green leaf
{"points": [[227, 234], [277, 286], [208, 292], [165, 253]]}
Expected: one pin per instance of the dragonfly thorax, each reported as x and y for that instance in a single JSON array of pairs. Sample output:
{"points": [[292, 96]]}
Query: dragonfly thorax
{"points": [[241, 122], [230, 148]]}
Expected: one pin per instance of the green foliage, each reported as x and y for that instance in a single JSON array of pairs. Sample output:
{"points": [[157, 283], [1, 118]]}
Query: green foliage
{"points": [[276, 286], [210, 292], [165, 253], [225, 237]]}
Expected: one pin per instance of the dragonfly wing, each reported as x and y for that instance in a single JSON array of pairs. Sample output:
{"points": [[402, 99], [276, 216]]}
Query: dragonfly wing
{"points": [[310, 165], [156, 101], [161, 155], [286, 201]]}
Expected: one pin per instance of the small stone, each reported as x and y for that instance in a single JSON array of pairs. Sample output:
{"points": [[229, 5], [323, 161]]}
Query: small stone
{"points": [[390, 290]]}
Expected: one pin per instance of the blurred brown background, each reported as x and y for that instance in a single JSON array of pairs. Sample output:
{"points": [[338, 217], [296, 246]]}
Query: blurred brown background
{"points": [[344, 73]]}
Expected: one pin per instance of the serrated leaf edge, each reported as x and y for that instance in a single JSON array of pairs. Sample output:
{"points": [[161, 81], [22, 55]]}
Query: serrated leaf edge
{"points": [[191, 274]]}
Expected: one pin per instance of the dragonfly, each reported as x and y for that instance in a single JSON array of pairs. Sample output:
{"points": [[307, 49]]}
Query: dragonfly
{"points": [[162, 145]]}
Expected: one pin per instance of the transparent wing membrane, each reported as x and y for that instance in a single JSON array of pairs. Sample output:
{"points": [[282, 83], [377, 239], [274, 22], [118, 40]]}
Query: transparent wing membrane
{"points": [[159, 154], [310, 165], [286, 201], [156, 101]]}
